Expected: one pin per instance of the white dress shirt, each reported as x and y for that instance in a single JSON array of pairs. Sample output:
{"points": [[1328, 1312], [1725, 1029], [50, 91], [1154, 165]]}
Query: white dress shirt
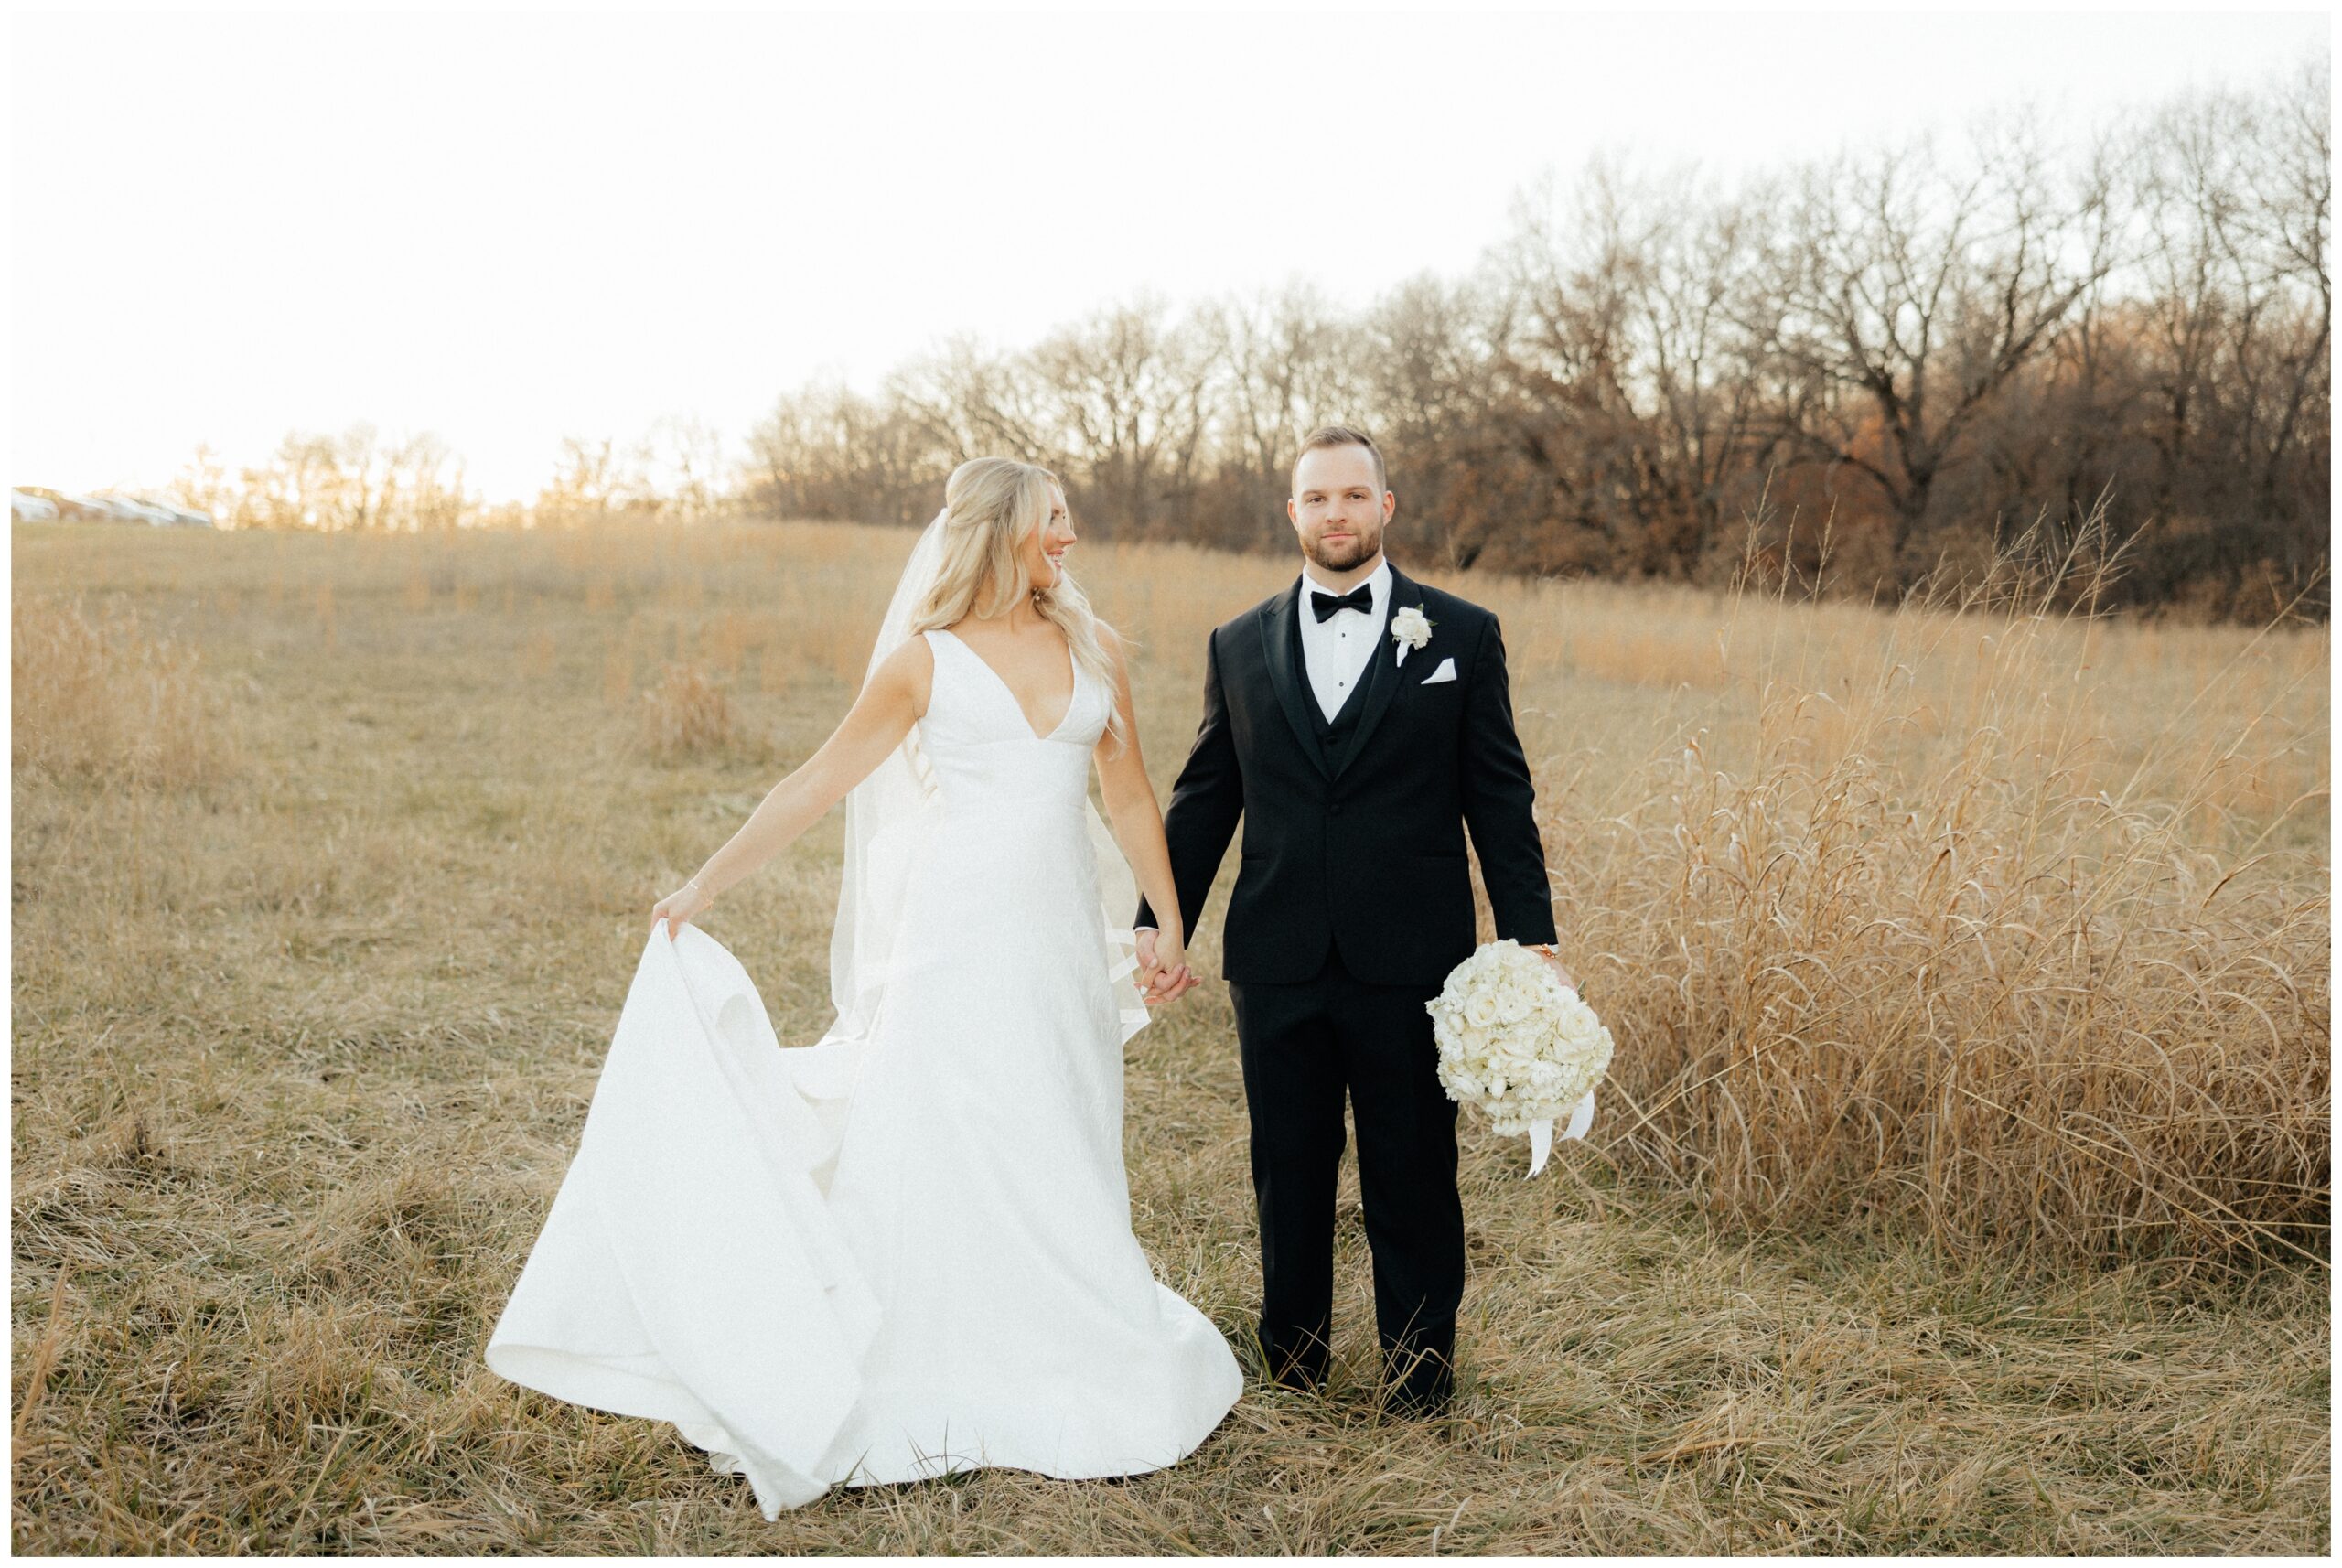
{"points": [[1336, 650]]}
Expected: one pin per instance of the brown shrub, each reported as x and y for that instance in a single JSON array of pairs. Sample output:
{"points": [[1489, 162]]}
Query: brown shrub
{"points": [[686, 714]]}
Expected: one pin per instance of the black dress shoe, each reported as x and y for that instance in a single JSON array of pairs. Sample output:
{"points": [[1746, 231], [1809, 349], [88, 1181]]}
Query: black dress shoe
{"points": [[1301, 1377], [1418, 1378], [1297, 1361]]}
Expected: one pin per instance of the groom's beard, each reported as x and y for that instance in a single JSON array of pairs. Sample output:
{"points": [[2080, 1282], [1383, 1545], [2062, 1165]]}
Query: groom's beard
{"points": [[1342, 557]]}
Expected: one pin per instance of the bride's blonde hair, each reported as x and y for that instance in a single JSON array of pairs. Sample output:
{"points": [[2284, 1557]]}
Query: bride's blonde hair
{"points": [[990, 505]]}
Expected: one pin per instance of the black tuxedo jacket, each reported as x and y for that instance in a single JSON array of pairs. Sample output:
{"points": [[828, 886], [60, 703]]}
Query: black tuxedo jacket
{"points": [[1363, 852]]}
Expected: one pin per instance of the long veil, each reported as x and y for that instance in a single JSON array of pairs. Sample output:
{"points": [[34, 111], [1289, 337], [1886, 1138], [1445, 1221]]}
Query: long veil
{"points": [[886, 819]]}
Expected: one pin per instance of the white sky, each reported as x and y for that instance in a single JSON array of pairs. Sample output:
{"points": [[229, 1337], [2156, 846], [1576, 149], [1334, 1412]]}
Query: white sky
{"points": [[507, 229]]}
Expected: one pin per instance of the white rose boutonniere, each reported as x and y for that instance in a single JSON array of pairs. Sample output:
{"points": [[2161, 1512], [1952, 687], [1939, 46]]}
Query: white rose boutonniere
{"points": [[1410, 629]]}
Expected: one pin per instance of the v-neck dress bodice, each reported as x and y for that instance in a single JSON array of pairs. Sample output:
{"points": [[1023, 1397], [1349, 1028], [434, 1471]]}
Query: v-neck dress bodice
{"points": [[985, 754]]}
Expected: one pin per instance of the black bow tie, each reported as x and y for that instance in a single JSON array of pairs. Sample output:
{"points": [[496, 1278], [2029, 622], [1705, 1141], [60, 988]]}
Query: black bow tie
{"points": [[1360, 598]]}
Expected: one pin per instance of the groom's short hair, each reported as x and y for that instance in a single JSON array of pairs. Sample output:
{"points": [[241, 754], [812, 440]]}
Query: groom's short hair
{"points": [[1343, 436]]}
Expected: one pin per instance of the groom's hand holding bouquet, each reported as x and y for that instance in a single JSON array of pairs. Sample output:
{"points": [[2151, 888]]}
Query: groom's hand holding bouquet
{"points": [[1516, 1040]]}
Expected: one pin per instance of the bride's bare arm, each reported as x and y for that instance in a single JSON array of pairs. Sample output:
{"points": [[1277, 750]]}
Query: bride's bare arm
{"points": [[891, 700], [1135, 817]]}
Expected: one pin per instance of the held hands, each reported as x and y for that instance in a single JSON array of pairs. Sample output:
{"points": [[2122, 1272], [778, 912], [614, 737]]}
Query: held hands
{"points": [[678, 908], [1162, 973]]}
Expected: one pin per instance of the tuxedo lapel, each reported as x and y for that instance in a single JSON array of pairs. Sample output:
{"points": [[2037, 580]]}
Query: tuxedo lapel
{"points": [[1278, 640], [1386, 674]]}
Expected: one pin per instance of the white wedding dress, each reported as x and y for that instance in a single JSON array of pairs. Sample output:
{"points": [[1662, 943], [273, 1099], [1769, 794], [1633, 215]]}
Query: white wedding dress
{"points": [[906, 1249]]}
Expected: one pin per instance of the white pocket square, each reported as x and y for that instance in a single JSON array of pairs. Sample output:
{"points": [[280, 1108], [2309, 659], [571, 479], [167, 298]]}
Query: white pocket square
{"points": [[1446, 671]]}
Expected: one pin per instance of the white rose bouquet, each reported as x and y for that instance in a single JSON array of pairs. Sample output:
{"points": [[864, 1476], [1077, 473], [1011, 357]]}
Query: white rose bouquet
{"points": [[1519, 1044]]}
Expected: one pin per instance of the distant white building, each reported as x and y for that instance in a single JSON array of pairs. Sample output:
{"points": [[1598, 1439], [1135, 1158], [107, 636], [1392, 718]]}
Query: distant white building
{"points": [[84, 509], [131, 510], [160, 515], [31, 503]]}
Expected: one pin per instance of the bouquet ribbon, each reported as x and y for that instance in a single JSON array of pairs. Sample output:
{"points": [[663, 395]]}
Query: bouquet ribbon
{"points": [[1541, 1132]]}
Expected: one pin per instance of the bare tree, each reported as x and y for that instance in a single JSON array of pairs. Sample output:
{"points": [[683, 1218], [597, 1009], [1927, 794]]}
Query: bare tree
{"points": [[1129, 392], [202, 485], [423, 485], [593, 479], [683, 459], [1921, 293], [969, 402], [301, 485], [364, 465]]}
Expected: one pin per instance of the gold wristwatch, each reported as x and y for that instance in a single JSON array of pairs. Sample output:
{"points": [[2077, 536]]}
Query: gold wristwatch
{"points": [[1550, 951]]}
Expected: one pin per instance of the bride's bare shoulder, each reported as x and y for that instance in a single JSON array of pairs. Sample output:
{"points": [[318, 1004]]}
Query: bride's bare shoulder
{"points": [[908, 673]]}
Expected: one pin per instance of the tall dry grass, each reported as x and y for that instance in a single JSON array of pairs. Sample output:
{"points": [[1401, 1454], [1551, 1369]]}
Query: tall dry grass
{"points": [[2001, 990], [95, 696], [304, 1035]]}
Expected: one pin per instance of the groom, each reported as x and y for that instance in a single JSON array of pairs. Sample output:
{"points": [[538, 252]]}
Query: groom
{"points": [[1357, 759]]}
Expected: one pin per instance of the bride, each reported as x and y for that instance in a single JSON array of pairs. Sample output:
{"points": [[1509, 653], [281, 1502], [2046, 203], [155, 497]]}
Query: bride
{"points": [[905, 1249]]}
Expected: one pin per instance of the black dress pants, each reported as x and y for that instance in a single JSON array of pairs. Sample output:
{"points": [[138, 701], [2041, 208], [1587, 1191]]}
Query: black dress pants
{"points": [[1303, 1045]]}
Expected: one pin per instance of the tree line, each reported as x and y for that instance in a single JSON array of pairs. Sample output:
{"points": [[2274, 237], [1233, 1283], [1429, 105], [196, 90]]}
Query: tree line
{"points": [[1852, 373], [362, 478], [1857, 371]]}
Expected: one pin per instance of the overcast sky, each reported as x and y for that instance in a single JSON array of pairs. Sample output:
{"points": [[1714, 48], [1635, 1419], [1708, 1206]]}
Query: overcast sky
{"points": [[507, 229]]}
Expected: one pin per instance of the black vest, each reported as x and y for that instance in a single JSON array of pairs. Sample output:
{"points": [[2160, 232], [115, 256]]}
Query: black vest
{"points": [[1333, 735]]}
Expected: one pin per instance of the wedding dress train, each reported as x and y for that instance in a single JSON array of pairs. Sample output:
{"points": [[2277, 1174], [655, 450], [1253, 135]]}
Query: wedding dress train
{"points": [[884, 1258]]}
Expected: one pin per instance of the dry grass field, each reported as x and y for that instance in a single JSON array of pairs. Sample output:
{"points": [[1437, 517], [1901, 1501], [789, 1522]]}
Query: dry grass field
{"points": [[1963, 1185]]}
